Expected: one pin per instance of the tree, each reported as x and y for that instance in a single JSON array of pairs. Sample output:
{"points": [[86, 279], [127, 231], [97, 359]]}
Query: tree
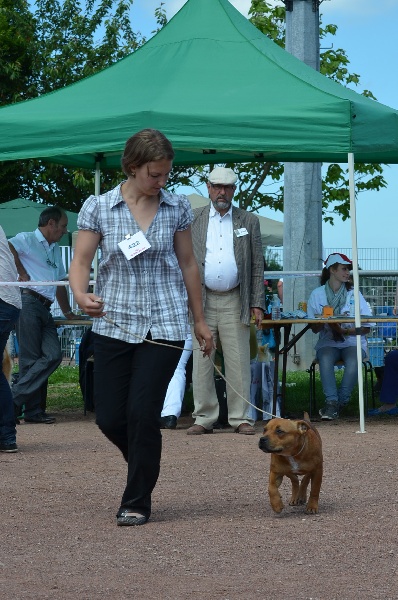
{"points": [[17, 29], [58, 44]]}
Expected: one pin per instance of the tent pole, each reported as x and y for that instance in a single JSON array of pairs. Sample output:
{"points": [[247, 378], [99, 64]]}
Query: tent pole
{"points": [[356, 287], [97, 191], [97, 178]]}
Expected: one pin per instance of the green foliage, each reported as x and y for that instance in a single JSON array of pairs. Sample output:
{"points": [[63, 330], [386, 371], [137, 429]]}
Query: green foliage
{"points": [[270, 20], [272, 261], [161, 18], [66, 44], [17, 33], [58, 43], [297, 395]]}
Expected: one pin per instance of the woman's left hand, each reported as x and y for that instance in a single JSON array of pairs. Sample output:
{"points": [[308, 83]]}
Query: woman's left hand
{"points": [[204, 337]]}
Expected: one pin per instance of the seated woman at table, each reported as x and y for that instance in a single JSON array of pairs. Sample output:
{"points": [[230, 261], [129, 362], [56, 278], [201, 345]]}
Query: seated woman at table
{"points": [[336, 341]]}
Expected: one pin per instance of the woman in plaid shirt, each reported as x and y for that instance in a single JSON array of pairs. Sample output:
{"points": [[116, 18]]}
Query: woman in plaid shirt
{"points": [[146, 275]]}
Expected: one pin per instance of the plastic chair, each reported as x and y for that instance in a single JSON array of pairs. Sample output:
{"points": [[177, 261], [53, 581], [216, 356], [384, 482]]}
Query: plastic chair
{"points": [[368, 370]]}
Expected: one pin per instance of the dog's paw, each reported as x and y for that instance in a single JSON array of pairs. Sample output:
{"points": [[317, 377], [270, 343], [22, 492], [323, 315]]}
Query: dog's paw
{"points": [[311, 509], [297, 501]]}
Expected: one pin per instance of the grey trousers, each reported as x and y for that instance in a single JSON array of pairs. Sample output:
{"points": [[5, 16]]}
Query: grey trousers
{"points": [[39, 354], [222, 314]]}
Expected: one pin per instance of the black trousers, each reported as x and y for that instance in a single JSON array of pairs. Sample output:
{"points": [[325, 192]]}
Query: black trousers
{"points": [[130, 384]]}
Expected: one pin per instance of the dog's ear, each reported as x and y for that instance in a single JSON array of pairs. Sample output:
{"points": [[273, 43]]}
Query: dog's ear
{"points": [[302, 426]]}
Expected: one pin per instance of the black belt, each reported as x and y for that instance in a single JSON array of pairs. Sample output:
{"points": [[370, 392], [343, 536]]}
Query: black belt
{"points": [[47, 303]]}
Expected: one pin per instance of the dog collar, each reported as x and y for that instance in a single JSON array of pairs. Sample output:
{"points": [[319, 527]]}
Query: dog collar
{"points": [[301, 449]]}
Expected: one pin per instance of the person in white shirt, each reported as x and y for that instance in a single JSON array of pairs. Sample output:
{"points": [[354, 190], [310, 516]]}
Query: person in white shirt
{"points": [[38, 258], [336, 341], [228, 250]]}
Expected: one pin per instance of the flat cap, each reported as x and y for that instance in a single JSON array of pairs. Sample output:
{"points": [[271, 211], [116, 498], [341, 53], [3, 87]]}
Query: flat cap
{"points": [[223, 176]]}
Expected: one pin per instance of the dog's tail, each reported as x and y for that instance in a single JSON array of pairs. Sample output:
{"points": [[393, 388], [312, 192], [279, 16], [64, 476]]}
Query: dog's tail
{"points": [[307, 417]]}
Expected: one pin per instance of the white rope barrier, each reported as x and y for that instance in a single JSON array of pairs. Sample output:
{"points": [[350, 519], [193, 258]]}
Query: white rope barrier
{"points": [[31, 283], [267, 275], [362, 273]]}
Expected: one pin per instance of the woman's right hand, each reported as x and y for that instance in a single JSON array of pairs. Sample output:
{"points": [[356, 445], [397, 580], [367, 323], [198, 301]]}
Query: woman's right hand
{"points": [[91, 304]]}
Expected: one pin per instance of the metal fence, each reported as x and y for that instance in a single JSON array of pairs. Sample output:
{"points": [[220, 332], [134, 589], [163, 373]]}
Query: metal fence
{"points": [[70, 337], [379, 292], [369, 259]]}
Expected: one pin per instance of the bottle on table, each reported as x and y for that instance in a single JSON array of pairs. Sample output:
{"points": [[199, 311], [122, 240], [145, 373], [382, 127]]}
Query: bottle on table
{"points": [[276, 308]]}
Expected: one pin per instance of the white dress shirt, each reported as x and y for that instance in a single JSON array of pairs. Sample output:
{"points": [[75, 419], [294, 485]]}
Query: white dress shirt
{"points": [[221, 272], [41, 260]]}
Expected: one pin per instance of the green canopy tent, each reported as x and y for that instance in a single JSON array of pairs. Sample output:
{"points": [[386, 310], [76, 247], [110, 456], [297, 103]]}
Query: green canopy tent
{"points": [[220, 91], [23, 215], [218, 88]]}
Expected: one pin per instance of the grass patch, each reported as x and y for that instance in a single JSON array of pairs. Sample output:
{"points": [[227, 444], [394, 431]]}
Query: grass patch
{"points": [[297, 396], [64, 393]]}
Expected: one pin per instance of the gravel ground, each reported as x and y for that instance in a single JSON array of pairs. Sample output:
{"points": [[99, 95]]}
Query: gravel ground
{"points": [[212, 534]]}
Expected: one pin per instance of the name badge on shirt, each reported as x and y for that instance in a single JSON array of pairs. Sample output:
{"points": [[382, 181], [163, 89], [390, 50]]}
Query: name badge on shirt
{"points": [[134, 245], [241, 231]]}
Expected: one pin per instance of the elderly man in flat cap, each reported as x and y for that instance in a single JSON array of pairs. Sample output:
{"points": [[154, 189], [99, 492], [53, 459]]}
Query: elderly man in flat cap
{"points": [[228, 249]]}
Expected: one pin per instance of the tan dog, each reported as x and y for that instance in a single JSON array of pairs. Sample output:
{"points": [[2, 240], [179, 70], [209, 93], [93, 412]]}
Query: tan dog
{"points": [[7, 363], [296, 449]]}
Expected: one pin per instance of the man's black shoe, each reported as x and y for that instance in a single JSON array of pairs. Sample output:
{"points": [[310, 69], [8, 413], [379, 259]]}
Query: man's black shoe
{"points": [[169, 422], [40, 418]]}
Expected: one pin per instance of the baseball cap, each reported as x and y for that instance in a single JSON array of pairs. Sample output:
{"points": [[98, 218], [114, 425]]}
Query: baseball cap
{"points": [[337, 258]]}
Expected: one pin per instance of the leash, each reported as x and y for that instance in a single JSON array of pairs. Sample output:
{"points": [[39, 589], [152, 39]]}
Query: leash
{"points": [[139, 337]]}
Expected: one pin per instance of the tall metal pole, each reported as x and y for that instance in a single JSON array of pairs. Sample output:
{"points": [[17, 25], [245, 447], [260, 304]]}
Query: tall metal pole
{"points": [[302, 237]]}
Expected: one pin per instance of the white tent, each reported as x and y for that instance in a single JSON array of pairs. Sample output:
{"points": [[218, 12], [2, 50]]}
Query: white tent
{"points": [[271, 231]]}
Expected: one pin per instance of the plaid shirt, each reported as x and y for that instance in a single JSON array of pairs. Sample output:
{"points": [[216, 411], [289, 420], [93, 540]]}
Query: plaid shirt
{"points": [[146, 293]]}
